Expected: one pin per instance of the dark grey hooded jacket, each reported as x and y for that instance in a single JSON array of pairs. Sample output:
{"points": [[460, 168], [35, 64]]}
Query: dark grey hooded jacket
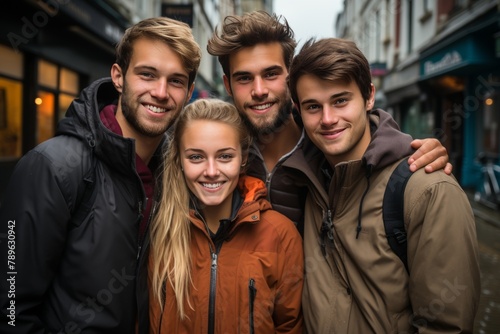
{"points": [[75, 272]]}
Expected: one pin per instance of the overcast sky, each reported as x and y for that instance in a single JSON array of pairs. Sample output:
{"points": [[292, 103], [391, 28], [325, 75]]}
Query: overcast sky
{"points": [[310, 18]]}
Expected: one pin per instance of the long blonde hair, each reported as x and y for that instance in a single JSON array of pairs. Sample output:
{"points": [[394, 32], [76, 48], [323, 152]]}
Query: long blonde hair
{"points": [[170, 228]]}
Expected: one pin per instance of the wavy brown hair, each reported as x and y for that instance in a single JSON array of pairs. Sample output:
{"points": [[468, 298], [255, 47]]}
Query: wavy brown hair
{"points": [[331, 59], [250, 29]]}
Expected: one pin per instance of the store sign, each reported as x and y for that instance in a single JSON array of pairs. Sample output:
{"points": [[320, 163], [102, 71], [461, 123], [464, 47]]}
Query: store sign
{"points": [[378, 69], [183, 13], [454, 57], [93, 20], [448, 61]]}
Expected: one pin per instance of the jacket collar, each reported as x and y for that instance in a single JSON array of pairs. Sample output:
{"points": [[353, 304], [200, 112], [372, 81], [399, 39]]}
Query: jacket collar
{"points": [[83, 121]]}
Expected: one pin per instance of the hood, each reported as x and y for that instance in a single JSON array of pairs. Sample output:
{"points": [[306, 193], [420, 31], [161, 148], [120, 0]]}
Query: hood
{"points": [[388, 143], [252, 189], [82, 121], [82, 117]]}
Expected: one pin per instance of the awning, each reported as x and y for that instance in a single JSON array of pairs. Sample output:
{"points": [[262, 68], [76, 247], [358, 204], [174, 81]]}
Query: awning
{"points": [[465, 52]]}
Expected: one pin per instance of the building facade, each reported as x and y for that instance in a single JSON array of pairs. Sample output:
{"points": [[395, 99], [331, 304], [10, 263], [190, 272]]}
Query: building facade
{"points": [[435, 66], [51, 49]]}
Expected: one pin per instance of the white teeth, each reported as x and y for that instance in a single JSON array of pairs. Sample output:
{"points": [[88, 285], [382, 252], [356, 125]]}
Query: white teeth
{"points": [[211, 185], [262, 106], [156, 109]]}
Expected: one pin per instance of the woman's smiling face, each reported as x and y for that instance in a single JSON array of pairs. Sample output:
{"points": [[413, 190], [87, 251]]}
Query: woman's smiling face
{"points": [[211, 158]]}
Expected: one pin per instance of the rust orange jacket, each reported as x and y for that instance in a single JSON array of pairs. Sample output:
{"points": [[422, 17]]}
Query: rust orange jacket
{"points": [[249, 282]]}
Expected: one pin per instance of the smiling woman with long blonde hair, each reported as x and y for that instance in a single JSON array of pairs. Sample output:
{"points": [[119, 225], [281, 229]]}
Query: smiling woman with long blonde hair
{"points": [[221, 260]]}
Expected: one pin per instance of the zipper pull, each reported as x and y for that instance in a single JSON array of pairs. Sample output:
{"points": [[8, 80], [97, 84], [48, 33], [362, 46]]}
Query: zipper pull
{"points": [[214, 260], [139, 252]]}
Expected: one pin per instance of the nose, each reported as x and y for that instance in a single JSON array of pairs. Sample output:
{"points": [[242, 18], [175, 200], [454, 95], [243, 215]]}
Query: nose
{"points": [[160, 90], [212, 169], [328, 116], [259, 87]]}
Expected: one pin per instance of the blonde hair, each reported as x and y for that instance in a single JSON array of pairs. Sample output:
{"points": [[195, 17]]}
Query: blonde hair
{"points": [[170, 228]]}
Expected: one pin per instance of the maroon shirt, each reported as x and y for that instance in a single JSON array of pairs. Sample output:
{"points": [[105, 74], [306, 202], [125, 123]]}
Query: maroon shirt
{"points": [[108, 118]]}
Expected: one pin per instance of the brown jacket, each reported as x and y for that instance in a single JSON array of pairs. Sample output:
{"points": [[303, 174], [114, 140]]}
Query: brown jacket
{"points": [[251, 278], [358, 284]]}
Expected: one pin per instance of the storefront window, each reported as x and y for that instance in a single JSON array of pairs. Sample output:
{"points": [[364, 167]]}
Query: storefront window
{"points": [[10, 118], [64, 102], [68, 81], [417, 122], [47, 74], [12, 63], [491, 137], [11, 69], [58, 87], [45, 116]]}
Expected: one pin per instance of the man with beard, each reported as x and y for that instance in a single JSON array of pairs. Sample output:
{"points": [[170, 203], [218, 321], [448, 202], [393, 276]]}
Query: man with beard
{"points": [[255, 51], [77, 206]]}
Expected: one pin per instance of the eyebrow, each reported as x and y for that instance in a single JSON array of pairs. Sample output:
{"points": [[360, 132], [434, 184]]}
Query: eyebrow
{"points": [[267, 69], [200, 150], [332, 97], [154, 69], [145, 67]]}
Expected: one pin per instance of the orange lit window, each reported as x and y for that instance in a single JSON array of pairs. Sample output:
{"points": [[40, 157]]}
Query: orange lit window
{"points": [[45, 116]]}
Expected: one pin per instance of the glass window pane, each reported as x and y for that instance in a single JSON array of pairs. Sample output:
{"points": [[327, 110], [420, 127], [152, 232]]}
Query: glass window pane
{"points": [[491, 134], [47, 74], [12, 62], [10, 118], [69, 81], [45, 116], [64, 102]]}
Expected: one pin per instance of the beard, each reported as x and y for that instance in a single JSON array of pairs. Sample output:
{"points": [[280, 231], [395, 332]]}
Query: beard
{"points": [[260, 131], [130, 112]]}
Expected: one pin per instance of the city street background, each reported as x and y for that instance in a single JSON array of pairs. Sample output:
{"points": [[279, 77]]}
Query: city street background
{"points": [[488, 235]]}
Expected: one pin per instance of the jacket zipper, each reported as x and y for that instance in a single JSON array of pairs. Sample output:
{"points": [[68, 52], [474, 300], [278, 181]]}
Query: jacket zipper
{"points": [[252, 292], [213, 288], [151, 214], [139, 241]]}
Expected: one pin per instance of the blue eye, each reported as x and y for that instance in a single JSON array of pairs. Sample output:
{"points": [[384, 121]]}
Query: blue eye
{"points": [[195, 157]]}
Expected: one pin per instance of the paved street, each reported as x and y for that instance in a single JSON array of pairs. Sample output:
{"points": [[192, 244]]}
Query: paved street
{"points": [[488, 317], [488, 233]]}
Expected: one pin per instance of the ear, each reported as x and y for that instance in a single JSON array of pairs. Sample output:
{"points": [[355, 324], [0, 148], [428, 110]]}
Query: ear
{"points": [[296, 107], [190, 92], [371, 100], [117, 77], [243, 166], [227, 85]]}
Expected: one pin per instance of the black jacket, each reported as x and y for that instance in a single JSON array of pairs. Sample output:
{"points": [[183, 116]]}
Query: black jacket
{"points": [[72, 274], [287, 182]]}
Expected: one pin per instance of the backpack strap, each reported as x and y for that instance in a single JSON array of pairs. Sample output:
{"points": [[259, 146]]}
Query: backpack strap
{"points": [[393, 211]]}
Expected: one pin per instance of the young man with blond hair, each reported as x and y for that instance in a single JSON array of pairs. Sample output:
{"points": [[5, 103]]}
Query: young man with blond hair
{"points": [[79, 203]]}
